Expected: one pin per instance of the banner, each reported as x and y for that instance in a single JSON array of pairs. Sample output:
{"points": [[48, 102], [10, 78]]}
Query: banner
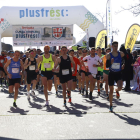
{"points": [[57, 35], [100, 39], [109, 23], [132, 36]]}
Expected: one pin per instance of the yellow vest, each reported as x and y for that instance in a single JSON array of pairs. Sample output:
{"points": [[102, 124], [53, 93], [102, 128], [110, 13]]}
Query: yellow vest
{"points": [[47, 63]]}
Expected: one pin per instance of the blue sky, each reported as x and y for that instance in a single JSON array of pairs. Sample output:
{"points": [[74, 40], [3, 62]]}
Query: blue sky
{"points": [[121, 21]]}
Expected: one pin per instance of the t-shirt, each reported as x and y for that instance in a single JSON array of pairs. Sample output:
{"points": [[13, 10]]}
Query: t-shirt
{"points": [[77, 62], [91, 61]]}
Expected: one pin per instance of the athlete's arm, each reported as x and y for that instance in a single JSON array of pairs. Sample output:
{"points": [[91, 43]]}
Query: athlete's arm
{"points": [[73, 63], [5, 68], [40, 59], [53, 58], [57, 62], [26, 65], [22, 66]]}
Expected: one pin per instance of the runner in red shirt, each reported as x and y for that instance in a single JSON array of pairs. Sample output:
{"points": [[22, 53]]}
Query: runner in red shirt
{"points": [[77, 62]]}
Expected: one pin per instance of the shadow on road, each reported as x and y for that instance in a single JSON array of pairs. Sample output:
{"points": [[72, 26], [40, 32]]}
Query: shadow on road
{"points": [[37, 99], [18, 110], [34, 105], [129, 120]]}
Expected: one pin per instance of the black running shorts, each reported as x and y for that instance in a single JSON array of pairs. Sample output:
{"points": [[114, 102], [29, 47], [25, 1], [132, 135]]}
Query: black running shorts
{"points": [[65, 79], [47, 74], [74, 78], [31, 77], [12, 82], [114, 77], [55, 73], [86, 74]]}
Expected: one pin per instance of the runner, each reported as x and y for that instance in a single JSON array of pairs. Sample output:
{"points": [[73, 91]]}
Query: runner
{"points": [[31, 66], [64, 62], [100, 71], [56, 73], [84, 73], [114, 60], [77, 62], [93, 62], [46, 71], [106, 72], [14, 74]]}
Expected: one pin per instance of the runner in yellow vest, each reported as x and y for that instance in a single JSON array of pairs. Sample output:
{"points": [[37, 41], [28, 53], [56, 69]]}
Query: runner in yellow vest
{"points": [[47, 63]]}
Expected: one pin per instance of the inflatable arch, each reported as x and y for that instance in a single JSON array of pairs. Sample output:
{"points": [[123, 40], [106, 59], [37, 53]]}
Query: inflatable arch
{"points": [[48, 16]]}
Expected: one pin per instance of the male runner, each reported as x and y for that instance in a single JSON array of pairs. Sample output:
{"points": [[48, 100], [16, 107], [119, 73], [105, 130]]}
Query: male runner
{"points": [[114, 61], [65, 72], [31, 66], [93, 61], [14, 74], [47, 64]]}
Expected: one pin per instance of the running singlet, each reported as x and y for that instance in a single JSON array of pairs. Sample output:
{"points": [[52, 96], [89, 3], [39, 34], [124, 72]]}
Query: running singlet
{"points": [[77, 62], [14, 69], [47, 63], [31, 69], [85, 63], [65, 67], [2, 59], [116, 66]]}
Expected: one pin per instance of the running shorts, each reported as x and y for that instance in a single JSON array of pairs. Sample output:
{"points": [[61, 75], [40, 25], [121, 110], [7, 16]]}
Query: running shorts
{"points": [[12, 82], [114, 77], [65, 79], [55, 73], [74, 78], [31, 77], [106, 72], [47, 74], [81, 71]]}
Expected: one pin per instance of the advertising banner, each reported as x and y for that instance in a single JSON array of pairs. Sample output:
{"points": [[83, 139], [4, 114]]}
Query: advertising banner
{"points": [[100, 39], [56, 35], [132, 36]]}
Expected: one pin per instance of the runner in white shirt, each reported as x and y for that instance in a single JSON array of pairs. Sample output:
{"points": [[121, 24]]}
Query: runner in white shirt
{"points": [[93, 62]]}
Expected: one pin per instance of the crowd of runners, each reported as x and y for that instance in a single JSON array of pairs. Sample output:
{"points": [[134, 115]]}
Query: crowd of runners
{"points": [[65, 68]]}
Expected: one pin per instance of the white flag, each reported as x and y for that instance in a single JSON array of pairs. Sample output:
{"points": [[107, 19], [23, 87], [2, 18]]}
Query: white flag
{"points": [[109, 22]]}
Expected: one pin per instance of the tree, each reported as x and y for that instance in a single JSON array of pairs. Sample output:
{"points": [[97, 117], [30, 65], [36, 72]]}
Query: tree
{"points": [[135, 9]]}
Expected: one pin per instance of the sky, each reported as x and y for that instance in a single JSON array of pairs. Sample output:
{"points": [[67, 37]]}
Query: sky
{"points": [[121, 21]]}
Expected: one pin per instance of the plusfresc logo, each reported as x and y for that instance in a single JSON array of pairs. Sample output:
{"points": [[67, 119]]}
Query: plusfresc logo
{"points": [[43, 13]]}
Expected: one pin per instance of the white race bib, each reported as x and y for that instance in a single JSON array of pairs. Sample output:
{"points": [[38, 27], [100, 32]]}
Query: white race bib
{"points": [[2, 61], [115, 66], [15, 70], [65, 72], [32, 67], [47, 65], [85, 63]]}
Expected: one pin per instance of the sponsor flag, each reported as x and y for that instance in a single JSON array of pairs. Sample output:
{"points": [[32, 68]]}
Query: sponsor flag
{"points": [[109, 23], [132, 36], [100, 39]]}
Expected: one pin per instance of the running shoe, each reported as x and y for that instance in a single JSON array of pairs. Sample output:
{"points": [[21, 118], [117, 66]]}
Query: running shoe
{"points": [[47, 103], [86, 93], [10, 95], [56, 93], [98, 93], [111, 109], [14, 105], [28, 96], [33, 93], [90, 96], [64, 105], [107, 97], [117, 95], [25, 87], [101, 85], [82, 92], [69, 101]]}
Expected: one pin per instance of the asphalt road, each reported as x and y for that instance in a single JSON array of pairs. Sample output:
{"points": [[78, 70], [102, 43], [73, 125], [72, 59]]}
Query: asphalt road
{"points": [[82, 119]]}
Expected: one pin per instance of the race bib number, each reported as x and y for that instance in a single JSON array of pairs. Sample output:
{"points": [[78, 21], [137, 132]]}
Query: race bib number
{"points": [[2, 61], [94, 75], [47, 65], [85, 63], [32, 67], [15, 70], [65, 72], [115, 66]]}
